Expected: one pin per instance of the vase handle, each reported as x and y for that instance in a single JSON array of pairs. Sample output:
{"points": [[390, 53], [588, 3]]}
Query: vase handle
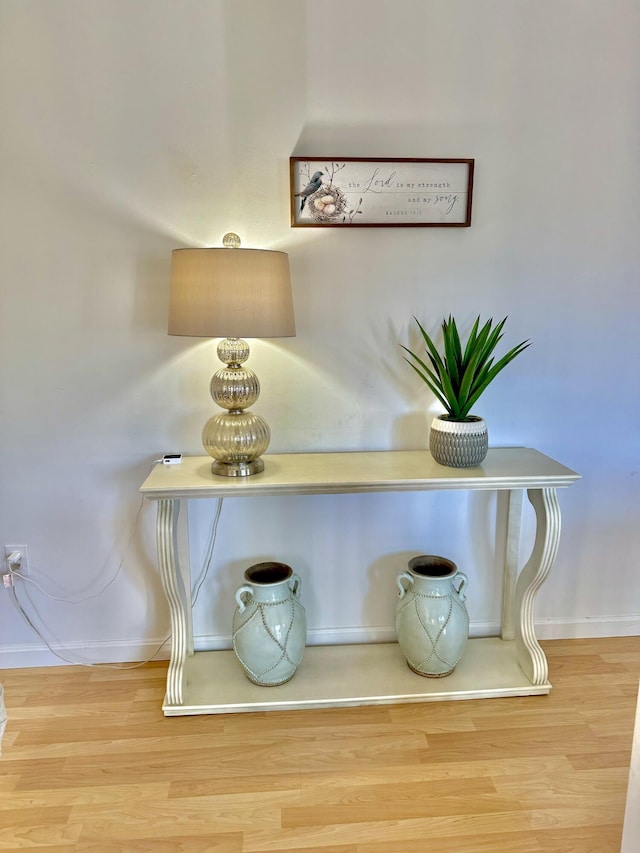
{"points": [[243, 590], [295, 584], [404, 589], [464, 580]]}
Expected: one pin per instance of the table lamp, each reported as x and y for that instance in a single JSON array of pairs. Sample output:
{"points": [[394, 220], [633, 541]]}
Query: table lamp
{"points": [[232, 293]]}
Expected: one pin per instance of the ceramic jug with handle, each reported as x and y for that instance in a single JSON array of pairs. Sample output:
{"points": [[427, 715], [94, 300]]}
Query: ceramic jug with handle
{"points": [[431, 620], [269, 624]]}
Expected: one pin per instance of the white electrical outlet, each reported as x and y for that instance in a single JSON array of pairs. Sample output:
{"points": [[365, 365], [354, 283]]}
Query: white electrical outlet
{"points": [[23, 568]]}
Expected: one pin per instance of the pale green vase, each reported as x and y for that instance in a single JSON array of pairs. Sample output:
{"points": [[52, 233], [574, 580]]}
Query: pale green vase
{"points": [[432, 622], [269, 624]]}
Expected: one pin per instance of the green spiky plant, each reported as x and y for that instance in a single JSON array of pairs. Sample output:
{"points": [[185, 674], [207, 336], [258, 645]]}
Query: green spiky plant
{"points": [[459, 377]]}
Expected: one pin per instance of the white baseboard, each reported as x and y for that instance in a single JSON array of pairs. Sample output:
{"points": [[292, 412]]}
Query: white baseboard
{"points": [[85, 654], [546, 629], [33, 655], [587, 627], [315, 637]]}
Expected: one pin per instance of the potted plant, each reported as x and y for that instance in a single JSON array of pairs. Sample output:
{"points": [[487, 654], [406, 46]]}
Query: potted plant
{"points": [[458, 378]]}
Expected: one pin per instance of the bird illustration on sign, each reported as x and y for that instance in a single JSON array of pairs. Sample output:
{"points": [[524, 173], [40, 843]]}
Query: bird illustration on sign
{"points": [[325, 202], [313, 186]]}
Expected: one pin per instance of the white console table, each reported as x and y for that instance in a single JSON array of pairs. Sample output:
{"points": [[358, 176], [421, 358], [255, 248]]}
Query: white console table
{"points": [[510, 665]]}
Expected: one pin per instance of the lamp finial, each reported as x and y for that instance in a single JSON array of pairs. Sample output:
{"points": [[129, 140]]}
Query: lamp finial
{"points": [[231, 241]]}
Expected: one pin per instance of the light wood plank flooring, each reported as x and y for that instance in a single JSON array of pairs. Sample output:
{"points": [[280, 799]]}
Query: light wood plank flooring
{"points": [[90, 764]]}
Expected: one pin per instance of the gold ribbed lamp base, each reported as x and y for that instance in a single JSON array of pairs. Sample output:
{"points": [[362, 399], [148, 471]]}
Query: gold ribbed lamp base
{"points": [[235, 439]]}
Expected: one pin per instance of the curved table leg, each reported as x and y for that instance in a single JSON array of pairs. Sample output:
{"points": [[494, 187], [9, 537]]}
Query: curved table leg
{"points": [[530, 656], [166, 524]]}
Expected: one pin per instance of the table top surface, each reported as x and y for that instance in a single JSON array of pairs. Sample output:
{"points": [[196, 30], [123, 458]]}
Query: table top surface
{"points": [[358, 471]]}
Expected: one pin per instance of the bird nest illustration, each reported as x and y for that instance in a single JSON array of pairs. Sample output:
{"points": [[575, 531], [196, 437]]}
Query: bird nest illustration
{"points": [[327, 204]]}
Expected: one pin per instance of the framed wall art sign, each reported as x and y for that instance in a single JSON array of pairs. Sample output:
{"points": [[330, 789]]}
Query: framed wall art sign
{"points": [[347, 192]]}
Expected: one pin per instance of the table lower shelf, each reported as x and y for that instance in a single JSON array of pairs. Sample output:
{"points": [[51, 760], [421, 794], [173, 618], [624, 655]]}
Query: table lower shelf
{"points": [[343, 676]]}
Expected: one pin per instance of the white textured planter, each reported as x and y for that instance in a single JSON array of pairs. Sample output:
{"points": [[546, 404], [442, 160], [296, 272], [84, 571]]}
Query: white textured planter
{"points": [[459, 444]]}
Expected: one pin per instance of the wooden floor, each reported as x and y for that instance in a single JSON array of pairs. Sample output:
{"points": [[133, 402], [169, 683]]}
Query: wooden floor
{"points": [[90, 764]]}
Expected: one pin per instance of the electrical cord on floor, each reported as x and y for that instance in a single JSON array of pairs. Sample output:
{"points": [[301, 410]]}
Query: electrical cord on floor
{"points": [[15, 575]]}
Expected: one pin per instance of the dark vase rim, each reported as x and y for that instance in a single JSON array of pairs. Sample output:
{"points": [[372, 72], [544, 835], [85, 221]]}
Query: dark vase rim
{"points": [[269, 572], [433, 566]]}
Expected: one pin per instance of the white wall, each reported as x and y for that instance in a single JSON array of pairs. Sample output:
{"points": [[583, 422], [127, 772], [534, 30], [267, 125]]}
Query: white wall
{"points": [[129, 129]]}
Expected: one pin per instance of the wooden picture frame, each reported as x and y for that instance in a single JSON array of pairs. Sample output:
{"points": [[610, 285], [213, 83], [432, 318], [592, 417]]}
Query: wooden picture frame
{"points": [[352, 192]]}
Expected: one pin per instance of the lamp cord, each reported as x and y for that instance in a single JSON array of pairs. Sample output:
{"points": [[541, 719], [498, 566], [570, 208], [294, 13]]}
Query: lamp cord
{"points": [[208, 554], [28, 580], [25, 616]]}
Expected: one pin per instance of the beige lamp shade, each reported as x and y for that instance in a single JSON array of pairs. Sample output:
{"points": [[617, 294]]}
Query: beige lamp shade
{"points": [[231, 293]]}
